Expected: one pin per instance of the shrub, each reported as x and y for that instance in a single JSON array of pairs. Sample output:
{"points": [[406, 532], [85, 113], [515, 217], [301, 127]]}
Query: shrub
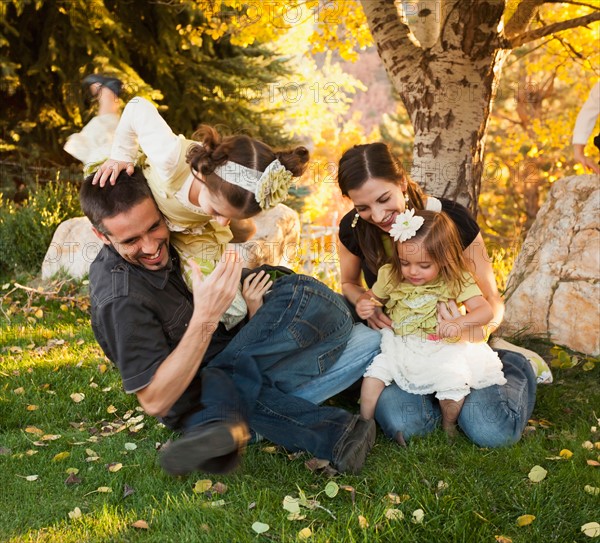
{"points": [[26, 229]]}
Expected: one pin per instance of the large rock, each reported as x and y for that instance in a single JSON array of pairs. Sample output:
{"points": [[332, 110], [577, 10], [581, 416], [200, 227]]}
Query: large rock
{"points": [[73, 248], [74, 245], [554, 287]]}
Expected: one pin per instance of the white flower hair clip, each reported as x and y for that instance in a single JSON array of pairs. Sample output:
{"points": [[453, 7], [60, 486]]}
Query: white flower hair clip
{"points": [[406, 225]]}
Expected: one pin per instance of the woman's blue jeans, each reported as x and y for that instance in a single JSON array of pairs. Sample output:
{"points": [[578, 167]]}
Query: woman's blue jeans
{"points": [[490, 417]]}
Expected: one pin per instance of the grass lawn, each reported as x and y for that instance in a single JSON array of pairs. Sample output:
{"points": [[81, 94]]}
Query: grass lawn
{"points": [[78, 461]]}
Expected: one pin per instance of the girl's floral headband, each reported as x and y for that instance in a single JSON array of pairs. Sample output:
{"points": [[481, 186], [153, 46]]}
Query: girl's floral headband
{"points": [[269, 187]]}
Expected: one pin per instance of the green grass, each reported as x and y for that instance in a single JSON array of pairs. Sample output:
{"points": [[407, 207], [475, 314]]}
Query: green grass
{"points": [[467, 493]]}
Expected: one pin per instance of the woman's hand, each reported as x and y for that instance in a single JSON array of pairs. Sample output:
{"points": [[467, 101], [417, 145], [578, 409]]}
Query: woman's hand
{"points": [[110, 170], [379, 320], [255, 286], [369, 308], [447, 314], [365, 307]]}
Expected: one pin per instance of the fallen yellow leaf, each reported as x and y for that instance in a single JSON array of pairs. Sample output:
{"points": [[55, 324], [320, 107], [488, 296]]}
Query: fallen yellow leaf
{"points": [[113, 468], [19, 390], [525, 520], [418, 516], [537, 474], [394, 514], [76, 513], [566, 454], [111, 409], [363, 522], [61, 456], [593, 490], [304, 534], [593, 463], [503, 539], [140, 524], [32, 408], [33, 430], [591, 529], [202, 485], [78, 397], [39, 314]]}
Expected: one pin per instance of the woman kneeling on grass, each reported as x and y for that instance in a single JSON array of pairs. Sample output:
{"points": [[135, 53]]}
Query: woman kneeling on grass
{"points": [[380, 190]]}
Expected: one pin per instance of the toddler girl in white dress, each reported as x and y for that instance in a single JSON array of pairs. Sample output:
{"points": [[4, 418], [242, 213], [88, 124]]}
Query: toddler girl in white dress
{"points": [[427, 353]]}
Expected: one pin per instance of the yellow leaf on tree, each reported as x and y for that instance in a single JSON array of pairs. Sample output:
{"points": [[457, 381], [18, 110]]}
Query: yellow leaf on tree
{"points": [[537, 474], [566, 454], [525, 520]]}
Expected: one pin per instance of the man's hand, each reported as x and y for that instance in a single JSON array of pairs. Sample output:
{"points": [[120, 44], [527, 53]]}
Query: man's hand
{"points": [[214, 293], [256, 285], [110, 170]]}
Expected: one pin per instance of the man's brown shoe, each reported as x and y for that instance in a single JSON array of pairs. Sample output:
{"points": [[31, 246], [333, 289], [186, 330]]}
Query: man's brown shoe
{"points": [[356, 447], [213, 448]]}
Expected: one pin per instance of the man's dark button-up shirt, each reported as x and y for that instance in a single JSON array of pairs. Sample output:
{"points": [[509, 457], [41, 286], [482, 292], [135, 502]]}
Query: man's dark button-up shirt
{"points": [[139, 317]]}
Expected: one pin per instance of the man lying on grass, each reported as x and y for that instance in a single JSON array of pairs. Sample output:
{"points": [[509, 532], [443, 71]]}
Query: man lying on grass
{"points": [[205, 381]]}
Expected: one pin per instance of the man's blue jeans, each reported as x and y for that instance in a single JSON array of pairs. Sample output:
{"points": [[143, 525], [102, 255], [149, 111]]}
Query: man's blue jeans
{"points": [[297, 335], [490, 417]]}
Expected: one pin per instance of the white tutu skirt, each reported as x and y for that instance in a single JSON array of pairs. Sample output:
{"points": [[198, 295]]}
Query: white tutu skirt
{"points": [[421, 366]]}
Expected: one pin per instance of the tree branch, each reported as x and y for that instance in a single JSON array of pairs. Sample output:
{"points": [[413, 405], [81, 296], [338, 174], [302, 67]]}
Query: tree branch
{"points": [[393, 36], [538, 33], [521, 17]]}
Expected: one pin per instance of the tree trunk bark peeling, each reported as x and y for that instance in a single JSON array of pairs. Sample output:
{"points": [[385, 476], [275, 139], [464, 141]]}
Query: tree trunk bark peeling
{"points": [[447, 90]]}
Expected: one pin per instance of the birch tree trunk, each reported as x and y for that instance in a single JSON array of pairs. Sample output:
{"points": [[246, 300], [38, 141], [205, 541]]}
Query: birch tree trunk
{"points": [[447, 86]]}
